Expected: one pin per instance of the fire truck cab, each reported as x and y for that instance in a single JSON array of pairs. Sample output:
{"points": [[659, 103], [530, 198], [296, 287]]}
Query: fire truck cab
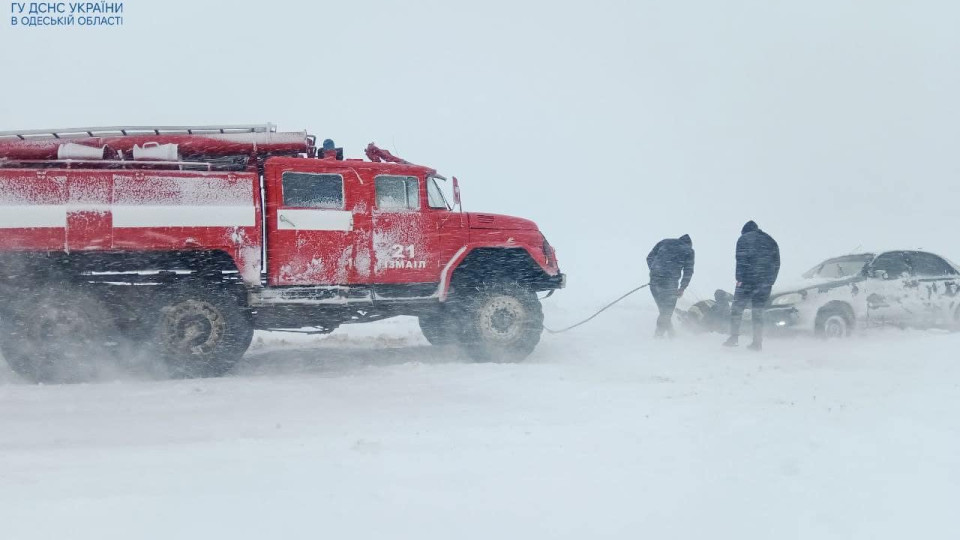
{"points": [[178, 242]]}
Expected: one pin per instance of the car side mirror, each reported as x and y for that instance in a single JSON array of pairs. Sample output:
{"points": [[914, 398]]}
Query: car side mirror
{"points": [[456, 191]]}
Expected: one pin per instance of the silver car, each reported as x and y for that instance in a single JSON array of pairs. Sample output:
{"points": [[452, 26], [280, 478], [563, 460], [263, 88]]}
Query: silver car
{"points": [[900, 288]]}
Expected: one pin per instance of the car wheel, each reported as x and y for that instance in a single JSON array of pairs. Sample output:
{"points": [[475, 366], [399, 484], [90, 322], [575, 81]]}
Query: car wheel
{"points": [[834, 322]]}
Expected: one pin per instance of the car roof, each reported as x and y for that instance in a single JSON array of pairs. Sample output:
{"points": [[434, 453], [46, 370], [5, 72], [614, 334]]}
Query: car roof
{"points": [[873, 255], [849, 257], [951, 263]]}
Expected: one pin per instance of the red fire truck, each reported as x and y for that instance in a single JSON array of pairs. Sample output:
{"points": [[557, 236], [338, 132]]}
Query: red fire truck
{"points": [[178, 242]]}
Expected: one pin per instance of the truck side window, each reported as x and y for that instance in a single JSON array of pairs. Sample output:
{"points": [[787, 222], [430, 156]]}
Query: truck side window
{"points": [[308, 190], [435, 198], [398, 192]]}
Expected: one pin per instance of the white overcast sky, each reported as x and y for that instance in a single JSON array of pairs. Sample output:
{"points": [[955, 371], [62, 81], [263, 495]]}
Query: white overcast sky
{"points": [[834, 124]]}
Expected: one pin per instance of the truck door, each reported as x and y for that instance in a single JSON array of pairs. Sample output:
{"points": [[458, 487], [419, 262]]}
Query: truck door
{"points": [[313, 234], [406, 240]]}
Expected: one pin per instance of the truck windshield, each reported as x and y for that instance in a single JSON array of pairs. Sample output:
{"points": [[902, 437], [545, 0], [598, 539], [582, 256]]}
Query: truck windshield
{"points": [[435, 197]]}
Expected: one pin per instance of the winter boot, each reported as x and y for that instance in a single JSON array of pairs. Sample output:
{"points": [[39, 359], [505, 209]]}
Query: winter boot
{"points": [[757, 331], [732, 341]]}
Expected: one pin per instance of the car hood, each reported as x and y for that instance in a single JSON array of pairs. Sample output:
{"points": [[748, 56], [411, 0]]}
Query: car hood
{"points": [[811, 284], [482, 220]]}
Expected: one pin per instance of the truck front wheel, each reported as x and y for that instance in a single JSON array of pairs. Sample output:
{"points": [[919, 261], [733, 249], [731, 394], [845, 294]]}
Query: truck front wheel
{"points": [[501, 323], [201, 332]]}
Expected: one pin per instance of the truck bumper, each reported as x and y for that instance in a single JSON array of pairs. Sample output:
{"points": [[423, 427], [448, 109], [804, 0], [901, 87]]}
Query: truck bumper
{"points": [[546, 282]]}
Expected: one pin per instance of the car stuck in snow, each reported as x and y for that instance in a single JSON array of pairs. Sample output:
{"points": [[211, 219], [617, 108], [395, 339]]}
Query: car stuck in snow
{"points": [[899, 288], [906, 288]]}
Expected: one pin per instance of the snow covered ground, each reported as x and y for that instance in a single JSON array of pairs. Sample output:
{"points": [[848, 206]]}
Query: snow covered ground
{"points": [[602, 433]]}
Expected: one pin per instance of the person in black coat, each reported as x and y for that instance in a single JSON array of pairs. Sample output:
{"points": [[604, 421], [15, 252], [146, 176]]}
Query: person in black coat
{"points": [[758, 263], [669, 261]]}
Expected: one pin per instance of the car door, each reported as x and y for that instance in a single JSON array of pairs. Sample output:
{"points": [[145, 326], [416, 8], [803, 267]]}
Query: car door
{"points": [[406, 245], [312, 233], [933, 289], [886, 291]]}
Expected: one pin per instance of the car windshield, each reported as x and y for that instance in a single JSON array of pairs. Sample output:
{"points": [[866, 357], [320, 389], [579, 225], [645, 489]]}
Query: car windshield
{"points": [[435, 196], [839, 267]]}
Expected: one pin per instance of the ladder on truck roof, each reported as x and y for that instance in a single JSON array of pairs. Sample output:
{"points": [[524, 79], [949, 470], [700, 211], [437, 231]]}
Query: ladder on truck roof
{"points": [[129, 131]]}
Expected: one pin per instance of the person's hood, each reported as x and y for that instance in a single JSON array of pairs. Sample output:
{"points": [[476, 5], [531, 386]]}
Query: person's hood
{"points": [[749, 226], [686, 240]]}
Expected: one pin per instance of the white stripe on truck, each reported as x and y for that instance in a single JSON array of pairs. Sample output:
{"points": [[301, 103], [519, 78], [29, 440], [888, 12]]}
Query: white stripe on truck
{"points": [[28, 216], [314, 220], [183, 216], [128, 217]]}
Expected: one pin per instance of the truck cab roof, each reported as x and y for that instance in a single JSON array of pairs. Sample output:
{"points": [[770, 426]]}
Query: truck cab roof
{"points": [[359, 164]]}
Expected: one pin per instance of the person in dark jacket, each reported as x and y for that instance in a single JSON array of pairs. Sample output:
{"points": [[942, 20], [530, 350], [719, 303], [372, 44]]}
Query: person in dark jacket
{"points": [[758, 263], [669, 261]]}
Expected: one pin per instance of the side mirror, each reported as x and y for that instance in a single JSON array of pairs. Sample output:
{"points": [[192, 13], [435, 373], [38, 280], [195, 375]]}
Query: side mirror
{"points": [[456, 191]]}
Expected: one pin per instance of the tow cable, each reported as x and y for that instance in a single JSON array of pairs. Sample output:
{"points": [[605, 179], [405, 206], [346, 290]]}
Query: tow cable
{"points": [[590, 318], [562, 330]]}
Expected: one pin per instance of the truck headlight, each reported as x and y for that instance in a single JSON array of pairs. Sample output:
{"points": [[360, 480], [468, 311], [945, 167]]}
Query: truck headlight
{"points": [[548, 252], [787, 299]]}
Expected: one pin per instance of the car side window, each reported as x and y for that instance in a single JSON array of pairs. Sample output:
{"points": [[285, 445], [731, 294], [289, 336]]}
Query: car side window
{"points": [[398, 192], [890, 265], [309, 190], [928, 264]]}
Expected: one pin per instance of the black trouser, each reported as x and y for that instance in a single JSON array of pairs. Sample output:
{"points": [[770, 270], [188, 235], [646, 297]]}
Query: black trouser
{"points": [[665, 295], [757, 296]]}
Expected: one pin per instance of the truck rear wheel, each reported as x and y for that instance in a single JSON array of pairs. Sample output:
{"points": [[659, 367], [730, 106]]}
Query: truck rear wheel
{"points": [[501, 323], [61, 337], [201, 332]]}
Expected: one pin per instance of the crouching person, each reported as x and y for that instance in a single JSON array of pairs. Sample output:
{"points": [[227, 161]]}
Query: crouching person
{"points": [[670, 261]]}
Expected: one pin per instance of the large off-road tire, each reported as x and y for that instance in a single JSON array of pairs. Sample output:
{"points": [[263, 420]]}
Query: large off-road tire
{"points": [[201, 331], [62, 336], [440, 327], [834, 322], [500, 323]]}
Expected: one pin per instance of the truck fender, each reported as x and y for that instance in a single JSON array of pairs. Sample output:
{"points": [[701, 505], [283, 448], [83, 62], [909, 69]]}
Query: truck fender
{"points": [[447, 273]]}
